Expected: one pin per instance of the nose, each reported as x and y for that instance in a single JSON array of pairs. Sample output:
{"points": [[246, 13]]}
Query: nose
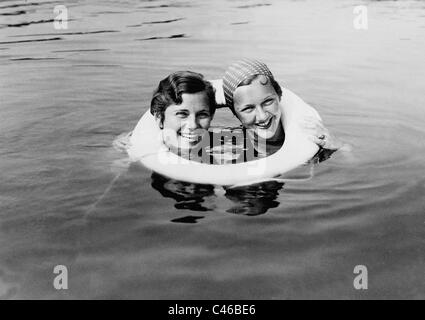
{"points": [[191, 122], [260, 114]]}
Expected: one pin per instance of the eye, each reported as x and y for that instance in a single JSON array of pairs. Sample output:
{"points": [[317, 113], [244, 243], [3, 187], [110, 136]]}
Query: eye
{"points": [[181, 114], [204, 114], [248, 109], [268, 102]]}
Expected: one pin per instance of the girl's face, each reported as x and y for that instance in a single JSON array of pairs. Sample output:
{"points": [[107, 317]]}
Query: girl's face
{"points": [[257, 107], [185, 124]]}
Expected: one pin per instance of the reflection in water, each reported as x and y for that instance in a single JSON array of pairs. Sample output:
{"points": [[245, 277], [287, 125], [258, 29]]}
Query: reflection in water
{"points": [[254, 199], [187, 219], [188, 196], [249, 200], [365, 210]]}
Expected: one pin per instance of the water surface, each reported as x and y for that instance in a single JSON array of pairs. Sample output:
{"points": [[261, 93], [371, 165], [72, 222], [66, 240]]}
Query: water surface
{"points": [[68, 197]]}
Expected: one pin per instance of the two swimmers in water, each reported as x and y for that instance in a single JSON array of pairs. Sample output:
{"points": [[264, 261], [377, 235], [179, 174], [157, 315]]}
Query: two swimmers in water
{"points": [[184, 105]]}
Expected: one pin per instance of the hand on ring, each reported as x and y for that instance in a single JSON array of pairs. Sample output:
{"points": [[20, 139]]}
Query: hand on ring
{"points": [[319, 134]]}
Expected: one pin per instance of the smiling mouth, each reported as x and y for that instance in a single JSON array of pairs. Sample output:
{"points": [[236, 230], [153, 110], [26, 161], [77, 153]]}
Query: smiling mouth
{"points": [[191, 137], [265, 125]]}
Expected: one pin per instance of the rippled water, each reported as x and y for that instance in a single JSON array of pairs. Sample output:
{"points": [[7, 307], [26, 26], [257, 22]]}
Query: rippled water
{"points": [[68, 197]]}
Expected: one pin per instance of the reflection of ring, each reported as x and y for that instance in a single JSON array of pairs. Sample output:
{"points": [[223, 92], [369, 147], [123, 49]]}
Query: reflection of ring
{"points": [[322, 137]]}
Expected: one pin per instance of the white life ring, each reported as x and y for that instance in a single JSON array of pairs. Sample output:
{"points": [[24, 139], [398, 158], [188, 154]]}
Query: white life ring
{"points": [[146, 146]]}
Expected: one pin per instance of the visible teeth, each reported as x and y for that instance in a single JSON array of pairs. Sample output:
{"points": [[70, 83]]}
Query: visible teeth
{"points": [[190, 136], [265, 125]]}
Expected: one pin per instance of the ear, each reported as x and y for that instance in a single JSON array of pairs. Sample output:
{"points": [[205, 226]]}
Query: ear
{"points": [[159, 122]]}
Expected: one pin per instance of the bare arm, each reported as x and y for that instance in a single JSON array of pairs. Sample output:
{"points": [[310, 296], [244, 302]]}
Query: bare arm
{"points": [[321, 135]]}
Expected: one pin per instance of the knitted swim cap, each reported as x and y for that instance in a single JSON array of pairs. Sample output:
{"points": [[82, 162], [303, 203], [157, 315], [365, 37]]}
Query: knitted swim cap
{"points": [[240, 71]]}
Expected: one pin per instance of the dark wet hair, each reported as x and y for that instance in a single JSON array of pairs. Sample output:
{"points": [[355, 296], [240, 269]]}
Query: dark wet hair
{"points": [[250, 79], [171, 88]]}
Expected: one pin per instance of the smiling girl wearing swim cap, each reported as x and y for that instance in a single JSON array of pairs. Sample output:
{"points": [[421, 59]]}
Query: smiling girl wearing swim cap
{"points": [[254, 96]]}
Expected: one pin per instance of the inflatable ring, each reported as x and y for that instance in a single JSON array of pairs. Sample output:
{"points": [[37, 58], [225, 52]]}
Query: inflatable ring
{"points": [[146, 146]]}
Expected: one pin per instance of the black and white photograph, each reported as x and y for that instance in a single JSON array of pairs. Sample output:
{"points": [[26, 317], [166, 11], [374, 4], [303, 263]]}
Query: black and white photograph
{"points": [[199, 150]]}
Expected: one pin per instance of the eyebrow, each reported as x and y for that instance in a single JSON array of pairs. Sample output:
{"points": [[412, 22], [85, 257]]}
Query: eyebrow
{"points": [[187, 110], [269, 97], [246, 106]]}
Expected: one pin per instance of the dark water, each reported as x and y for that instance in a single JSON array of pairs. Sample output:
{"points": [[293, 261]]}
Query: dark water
{"points": [[68, 197]]}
